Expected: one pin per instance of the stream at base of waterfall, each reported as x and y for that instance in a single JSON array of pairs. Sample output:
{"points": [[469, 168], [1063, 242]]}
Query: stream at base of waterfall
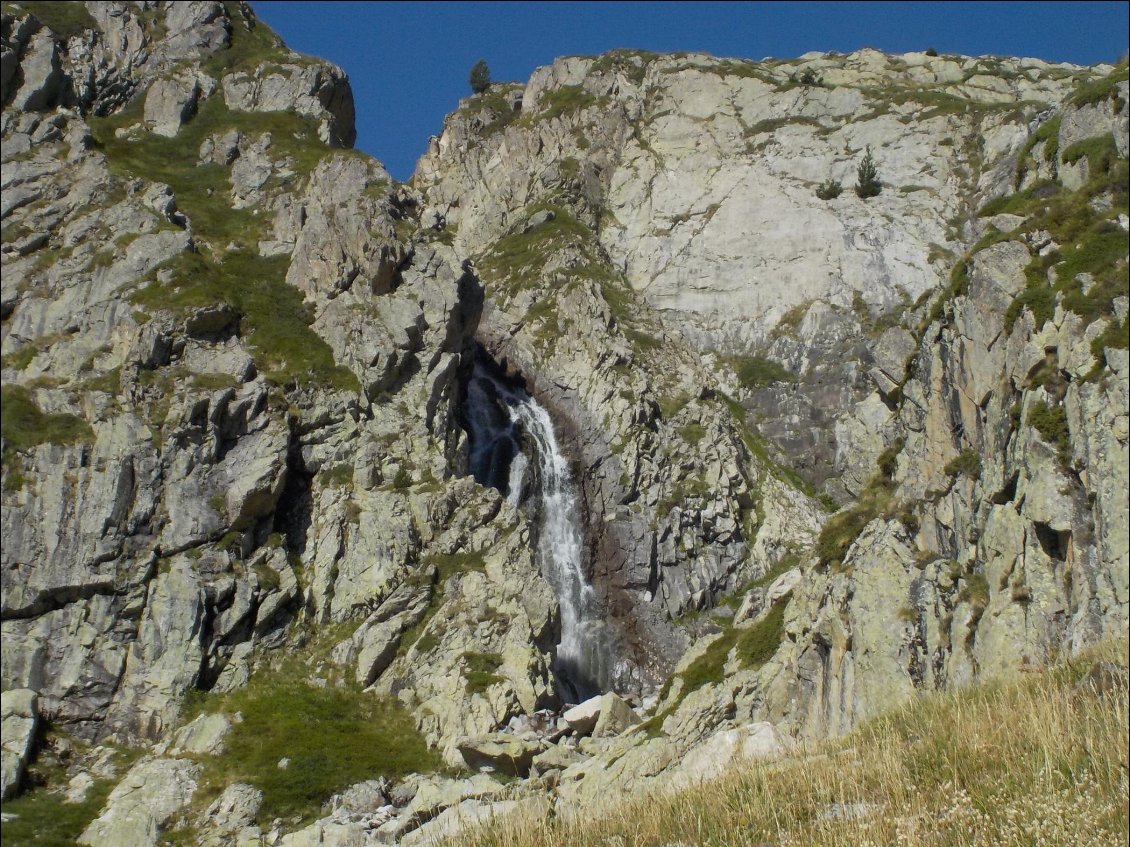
{"points": [[514, 449]]}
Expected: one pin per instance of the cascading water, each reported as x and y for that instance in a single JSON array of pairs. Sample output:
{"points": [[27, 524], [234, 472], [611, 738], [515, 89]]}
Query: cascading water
{"points": [[512, 438]]}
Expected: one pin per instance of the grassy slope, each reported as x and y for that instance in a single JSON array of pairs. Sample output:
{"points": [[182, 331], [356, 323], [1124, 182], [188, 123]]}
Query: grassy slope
{"points": [[1019, 762]]}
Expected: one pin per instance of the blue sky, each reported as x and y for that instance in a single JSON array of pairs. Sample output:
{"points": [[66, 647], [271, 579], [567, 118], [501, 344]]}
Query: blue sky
{"points": [[409, 62]]}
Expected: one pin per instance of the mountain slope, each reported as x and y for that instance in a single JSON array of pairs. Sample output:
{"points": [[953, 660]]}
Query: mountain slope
{"points": [[827, 453]]}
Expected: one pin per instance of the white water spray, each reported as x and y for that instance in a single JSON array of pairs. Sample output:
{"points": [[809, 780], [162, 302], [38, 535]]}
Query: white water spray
{"points": [[510, 434]]}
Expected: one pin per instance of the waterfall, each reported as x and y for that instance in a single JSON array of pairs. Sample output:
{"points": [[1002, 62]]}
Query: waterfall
{"points": [[514, 449]]}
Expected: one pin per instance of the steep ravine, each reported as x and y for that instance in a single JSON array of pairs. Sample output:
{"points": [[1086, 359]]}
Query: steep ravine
{"points": [[307, 473]]}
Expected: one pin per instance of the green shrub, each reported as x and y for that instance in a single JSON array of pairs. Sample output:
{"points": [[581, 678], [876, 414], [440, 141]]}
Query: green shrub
{"points": [[692, 433], [1051, 422], [809, 77], [867, 177], [479, 79], [830, 189], [967, 463]]}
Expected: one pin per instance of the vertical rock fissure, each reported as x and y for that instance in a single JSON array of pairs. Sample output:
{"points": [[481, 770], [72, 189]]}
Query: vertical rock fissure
{"points": [[514, 449]]}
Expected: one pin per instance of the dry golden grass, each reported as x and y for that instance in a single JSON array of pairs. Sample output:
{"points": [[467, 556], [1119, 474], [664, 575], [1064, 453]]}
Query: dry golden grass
{"points": [[1019, 763]]}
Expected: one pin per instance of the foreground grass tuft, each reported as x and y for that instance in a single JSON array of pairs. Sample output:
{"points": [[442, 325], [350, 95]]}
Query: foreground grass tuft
{"points": [[1032, 760]]}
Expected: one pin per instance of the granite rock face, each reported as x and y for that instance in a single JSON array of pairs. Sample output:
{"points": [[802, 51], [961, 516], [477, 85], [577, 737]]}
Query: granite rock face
{"points": [[206, 391], [236, 355]]}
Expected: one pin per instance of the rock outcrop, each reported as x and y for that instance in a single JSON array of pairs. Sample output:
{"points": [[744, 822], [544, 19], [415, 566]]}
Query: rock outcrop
{"points": [[831, 450]]}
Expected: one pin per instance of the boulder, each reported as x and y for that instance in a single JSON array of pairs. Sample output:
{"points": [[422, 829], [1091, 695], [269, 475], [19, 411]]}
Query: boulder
{"points": [[726, 749], [143, 803], [203, 736], [582, 717], [615, 716], [232, 815], [601, 716], [19, 721], [169, 103], [510, 754], [43, 77]]}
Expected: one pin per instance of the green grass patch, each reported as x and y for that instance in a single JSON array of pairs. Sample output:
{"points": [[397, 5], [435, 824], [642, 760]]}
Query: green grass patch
{"points": [[566, 99], [958, 286], [248, 49], [41, 816], [975, 591], [887, 461], [671, 405], [338, 476], [445, 565], [757, 446], [461, 561], [757, 372], [275, 320], [755, 645], [692, 433], [24, 425], [631, 63], [1047, 134], [332, 736], [1099, 152], [479, 671], [203, 190], [492, 108], [769, 125], [643, 342], [787, 563], [63, 19], [1023, 760], [1095, 91], [1040, 300], [843, 528], [518, 260]]}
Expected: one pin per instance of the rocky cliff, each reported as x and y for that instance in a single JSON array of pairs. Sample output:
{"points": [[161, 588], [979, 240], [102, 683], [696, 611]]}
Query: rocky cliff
{"points": [[830, 450]]}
